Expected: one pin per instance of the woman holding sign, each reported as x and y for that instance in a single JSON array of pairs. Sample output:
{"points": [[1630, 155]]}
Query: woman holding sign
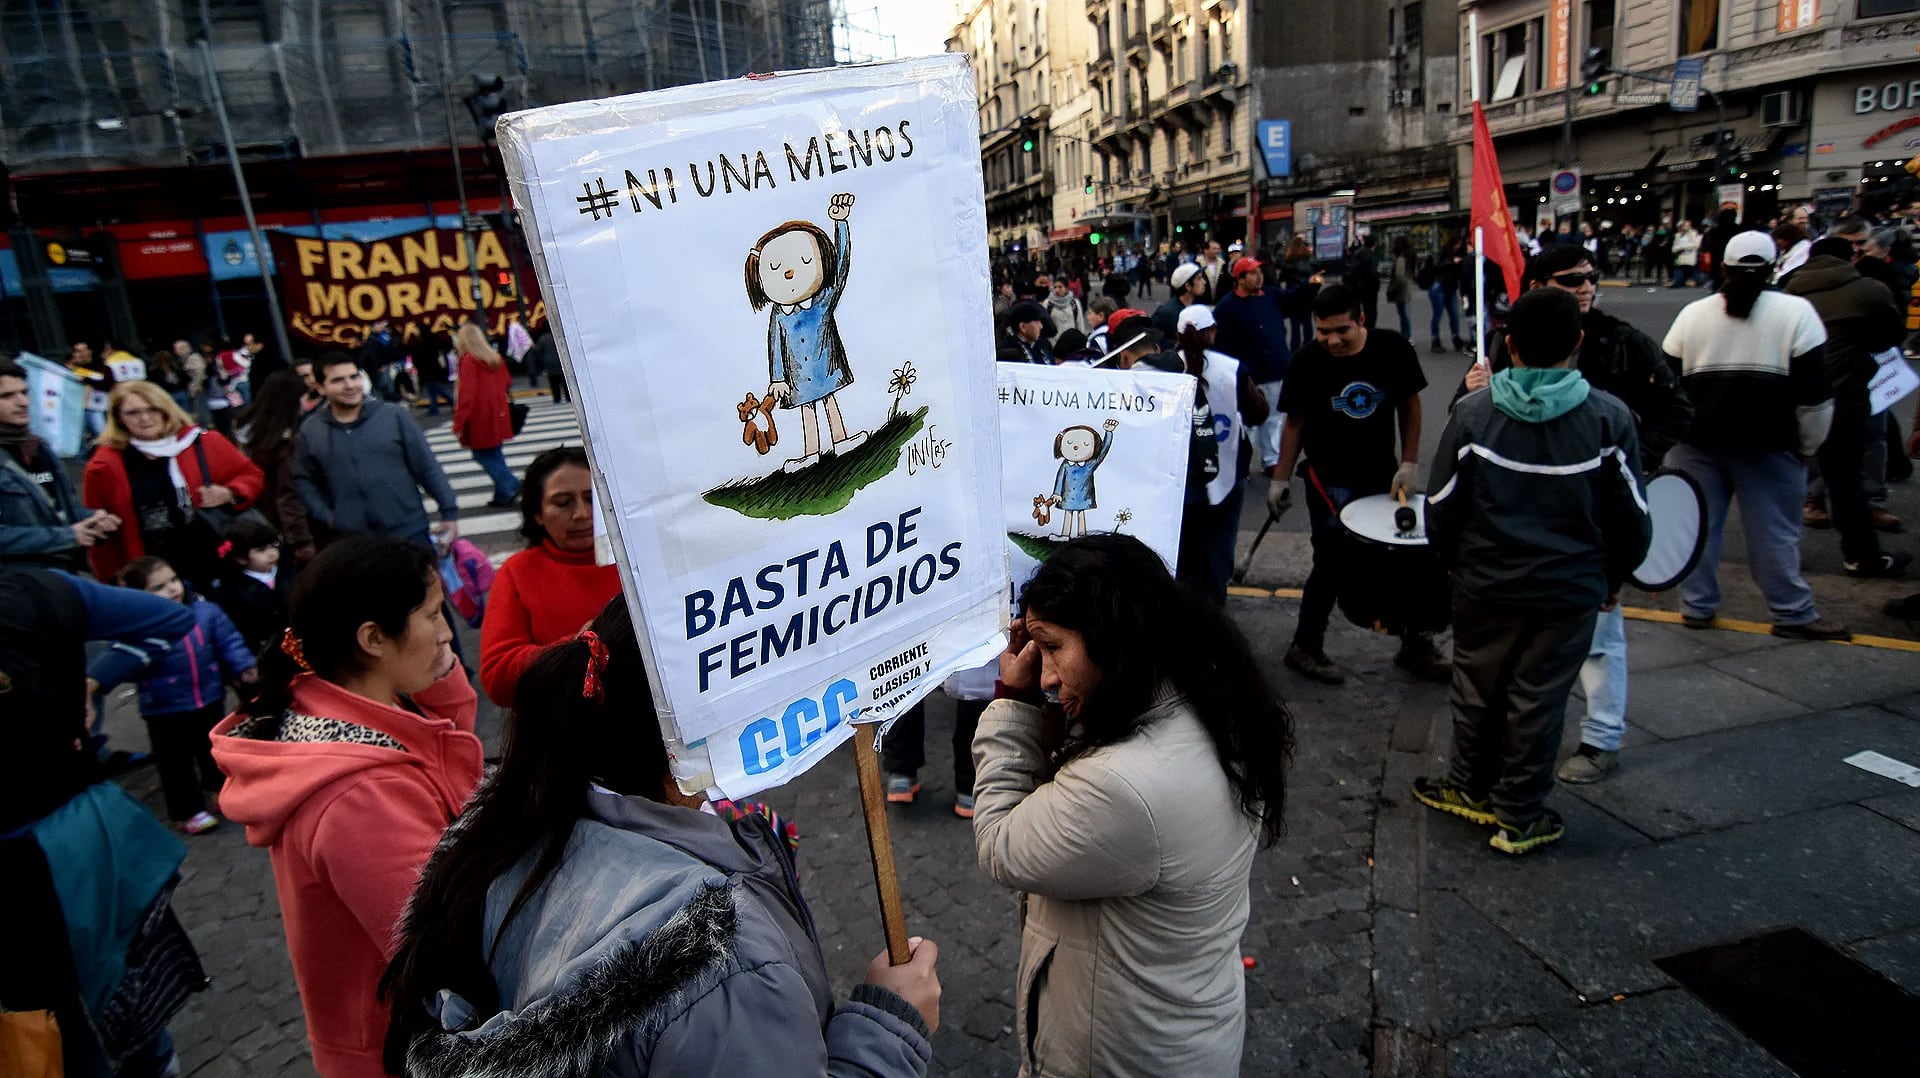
{"points": [[585, 917], [1135, 872]]}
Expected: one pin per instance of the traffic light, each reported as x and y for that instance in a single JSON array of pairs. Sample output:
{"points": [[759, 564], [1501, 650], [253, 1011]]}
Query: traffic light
{"points": [[487, 103], [1089, 187], [1593, 71], [1029, 139], [503, 278], [1093, 238]]}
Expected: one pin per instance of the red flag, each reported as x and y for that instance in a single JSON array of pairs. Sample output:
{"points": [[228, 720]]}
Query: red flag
{"points": [[1498, 242]]}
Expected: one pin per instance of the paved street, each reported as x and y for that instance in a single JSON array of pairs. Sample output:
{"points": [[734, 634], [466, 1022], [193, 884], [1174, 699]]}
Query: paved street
{"points": [[1386, 939]]}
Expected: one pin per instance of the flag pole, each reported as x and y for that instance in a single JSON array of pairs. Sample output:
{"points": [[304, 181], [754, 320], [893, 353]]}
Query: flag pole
{"points": [[1479, 232]]}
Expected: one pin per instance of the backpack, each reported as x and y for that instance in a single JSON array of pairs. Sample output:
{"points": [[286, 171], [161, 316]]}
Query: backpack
{"points": [[1426, 275]]}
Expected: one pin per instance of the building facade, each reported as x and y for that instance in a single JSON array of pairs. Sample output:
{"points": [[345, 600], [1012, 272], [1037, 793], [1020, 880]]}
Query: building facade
{"points": [[1151, 126], [341, 112], [1804, 101]]}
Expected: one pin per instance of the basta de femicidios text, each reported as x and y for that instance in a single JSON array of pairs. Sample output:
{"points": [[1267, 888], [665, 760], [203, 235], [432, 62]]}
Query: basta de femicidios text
{"points": [[811, 574]]}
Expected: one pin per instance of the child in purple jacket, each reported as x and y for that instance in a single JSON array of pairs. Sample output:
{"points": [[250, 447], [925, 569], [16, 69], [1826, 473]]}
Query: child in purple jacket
{"points": [[183, 693]]}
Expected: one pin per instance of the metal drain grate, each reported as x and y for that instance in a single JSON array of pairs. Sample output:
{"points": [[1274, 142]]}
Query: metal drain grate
{"points": [[1817, 1010]]}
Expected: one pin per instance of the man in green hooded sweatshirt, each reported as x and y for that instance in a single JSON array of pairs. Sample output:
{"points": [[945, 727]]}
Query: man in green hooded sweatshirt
{"points": [[1537, 507]]}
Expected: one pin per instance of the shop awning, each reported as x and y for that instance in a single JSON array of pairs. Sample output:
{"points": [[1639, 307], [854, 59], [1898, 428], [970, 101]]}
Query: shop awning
{"points": [[1636, 161], [1688, 156], [1062, 235]]}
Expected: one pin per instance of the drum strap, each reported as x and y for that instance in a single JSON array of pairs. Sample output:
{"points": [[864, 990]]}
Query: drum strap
{"points": [[1313, 480]]}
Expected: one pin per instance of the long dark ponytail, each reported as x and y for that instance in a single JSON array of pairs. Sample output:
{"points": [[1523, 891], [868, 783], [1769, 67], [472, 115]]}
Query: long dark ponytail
{"points": [[560, 739], [1193, 347], [352, 582], [1741, 286], [1117, 593]]}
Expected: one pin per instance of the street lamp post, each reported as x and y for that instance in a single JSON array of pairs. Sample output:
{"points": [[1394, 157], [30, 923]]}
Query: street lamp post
{"points": [[453, 146]]}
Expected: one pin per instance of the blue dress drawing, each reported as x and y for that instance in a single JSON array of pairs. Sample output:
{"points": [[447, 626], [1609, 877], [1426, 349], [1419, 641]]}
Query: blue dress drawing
{"points": [[1073, 484], [803, 343]]}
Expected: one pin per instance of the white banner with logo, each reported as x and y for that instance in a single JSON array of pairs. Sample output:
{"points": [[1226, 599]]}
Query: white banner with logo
{"points": [[1086, 450], [771, 299]]}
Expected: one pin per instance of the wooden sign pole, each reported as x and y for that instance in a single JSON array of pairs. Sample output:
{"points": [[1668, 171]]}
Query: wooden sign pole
{"points": [[873, 799]]}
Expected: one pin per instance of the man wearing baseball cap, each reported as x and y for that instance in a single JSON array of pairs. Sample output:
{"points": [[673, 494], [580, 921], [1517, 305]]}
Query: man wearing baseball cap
{"points": [[1024, 340], [1189, 287], [1252, 328], [1753, 361]]}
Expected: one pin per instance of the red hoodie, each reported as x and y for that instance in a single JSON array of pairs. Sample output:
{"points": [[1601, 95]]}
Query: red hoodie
{"points": [[349, 806]]}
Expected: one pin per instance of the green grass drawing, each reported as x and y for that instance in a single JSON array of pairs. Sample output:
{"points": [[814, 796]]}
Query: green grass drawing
{"points": [[827, 485], [1039, 548]]}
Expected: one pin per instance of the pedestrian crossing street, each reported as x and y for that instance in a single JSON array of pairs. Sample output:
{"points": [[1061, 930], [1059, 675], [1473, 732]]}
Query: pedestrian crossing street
{"points": [[495, 531]]}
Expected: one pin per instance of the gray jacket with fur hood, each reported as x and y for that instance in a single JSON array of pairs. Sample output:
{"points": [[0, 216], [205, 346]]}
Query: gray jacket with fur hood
{"points": [[668, 942]]}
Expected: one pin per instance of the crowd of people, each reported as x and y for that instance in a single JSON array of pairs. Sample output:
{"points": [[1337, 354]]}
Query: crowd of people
{"points": [[256, 533]]}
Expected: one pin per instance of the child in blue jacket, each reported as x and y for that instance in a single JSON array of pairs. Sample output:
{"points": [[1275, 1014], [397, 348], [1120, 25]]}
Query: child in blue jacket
{"points": [[183, 693]]}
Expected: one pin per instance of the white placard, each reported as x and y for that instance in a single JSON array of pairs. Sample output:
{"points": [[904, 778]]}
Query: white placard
{"points": [[1894, 380], [771, 298], [1882, 764], [1087, 450]]}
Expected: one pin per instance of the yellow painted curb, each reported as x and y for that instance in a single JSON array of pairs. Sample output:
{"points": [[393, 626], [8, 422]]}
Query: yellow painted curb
{"points": [[1665, 617]]}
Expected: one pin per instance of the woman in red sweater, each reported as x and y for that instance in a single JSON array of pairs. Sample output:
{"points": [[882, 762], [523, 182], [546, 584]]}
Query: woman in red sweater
{"points": [[482, 413], [152, 469], [348, 767], [550, 591]]}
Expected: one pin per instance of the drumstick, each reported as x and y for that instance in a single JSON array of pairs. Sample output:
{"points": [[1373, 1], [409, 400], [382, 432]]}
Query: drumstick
{"points": [[1246, 564], [1404, 518]]}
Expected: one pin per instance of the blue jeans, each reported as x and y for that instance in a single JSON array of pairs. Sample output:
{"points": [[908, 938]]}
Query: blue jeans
{"points": [[1771, 486], [1604, 679], [1406, 323], [435, 392], [1266, 437], [1447, 300], [494, 463], [1207, 534]]}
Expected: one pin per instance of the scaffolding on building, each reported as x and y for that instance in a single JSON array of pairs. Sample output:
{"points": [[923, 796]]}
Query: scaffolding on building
{"points": [[120, 82]]}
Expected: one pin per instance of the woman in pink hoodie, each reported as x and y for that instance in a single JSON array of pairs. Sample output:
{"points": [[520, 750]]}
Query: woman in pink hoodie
{"points": [[354, 759]]}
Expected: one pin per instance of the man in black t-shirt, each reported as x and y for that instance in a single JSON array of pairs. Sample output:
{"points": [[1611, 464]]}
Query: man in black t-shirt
{"points": [[1349, 395]]}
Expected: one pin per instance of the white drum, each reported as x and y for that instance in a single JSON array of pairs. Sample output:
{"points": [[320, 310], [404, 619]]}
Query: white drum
{"points": [[1679, 512]]}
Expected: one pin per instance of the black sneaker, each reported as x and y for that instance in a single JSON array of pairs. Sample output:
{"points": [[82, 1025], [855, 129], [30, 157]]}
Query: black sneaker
{"points": [[1699, 621], [1420, 658], [1908, 608], [1888, 564], [1314, 665], [1817, 629], [1437, 346], [1442, 795], [1522, 837]]}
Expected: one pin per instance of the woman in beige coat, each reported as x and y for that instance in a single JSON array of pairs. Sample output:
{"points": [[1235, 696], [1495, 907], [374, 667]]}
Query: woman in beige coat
{"points": [[1127, 814]]}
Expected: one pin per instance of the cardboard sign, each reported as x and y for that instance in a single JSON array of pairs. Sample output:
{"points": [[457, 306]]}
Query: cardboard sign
{"points": [[1086, 450], [58, 400], [1894, 380], [771, 298]]}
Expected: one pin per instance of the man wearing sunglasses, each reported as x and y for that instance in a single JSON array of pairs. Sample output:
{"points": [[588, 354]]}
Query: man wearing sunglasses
{"points": [[1619, 359]]}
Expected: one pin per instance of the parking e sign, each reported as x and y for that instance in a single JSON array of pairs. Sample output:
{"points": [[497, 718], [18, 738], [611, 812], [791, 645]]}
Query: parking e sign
{"points": [[1276, 142]]}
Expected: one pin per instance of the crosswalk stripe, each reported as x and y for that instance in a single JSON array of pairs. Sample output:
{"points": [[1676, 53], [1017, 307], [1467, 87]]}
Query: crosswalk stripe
{"points": [[496, 531]]}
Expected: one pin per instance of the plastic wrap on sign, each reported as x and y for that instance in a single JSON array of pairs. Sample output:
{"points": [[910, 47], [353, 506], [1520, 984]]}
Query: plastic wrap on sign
{"points": [[771, 299]]}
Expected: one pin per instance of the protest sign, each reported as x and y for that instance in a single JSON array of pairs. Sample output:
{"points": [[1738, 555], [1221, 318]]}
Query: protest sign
{"points": [[1086, 450], [771, 298], [335, 288], [58, 400], [1893, 381]]}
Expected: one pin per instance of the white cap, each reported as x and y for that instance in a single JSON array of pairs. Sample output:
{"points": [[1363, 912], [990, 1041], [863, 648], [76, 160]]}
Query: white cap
{"points": [[1196, 316], [1750, 249], [1235, 246], [1184, 273]]}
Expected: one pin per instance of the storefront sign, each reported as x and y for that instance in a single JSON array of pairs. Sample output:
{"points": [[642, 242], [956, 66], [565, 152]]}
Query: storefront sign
{"points": [[1559, 43], [334, 289], [1888, 97], [1797, 15], [805, 506], [1889, 131], [1731, 196]]}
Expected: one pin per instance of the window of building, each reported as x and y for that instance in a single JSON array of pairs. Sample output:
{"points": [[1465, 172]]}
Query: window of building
{"points": [[1873, 8], [1393, 26], [1039, 32], [1700, 26], [359, 50], [1226, 132], [1513, 60], [1412, 28], [1226, 42], [229, 22], [1180, 46]]}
